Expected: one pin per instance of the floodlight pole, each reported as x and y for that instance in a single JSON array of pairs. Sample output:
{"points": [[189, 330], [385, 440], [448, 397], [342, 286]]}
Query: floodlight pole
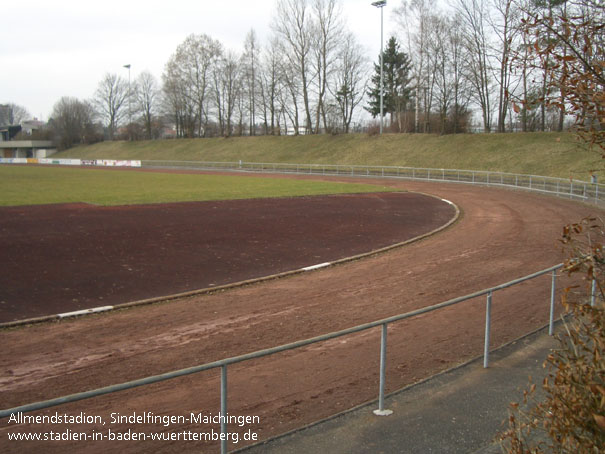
{"points": [[381, 4]]}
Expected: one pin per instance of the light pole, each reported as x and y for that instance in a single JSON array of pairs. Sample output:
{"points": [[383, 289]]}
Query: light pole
{"points": [[381, 4], [129, 105]]}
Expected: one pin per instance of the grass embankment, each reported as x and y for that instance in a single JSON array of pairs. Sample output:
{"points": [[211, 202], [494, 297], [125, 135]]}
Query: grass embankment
{"points": [[34, 185], [549, 154]]}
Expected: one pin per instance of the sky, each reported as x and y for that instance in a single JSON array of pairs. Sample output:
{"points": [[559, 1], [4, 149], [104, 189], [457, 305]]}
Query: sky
{"points": [[55, 48]]}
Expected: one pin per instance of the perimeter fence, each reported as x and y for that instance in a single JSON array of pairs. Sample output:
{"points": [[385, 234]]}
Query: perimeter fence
{"points": [[383, 324], [590, 192]]}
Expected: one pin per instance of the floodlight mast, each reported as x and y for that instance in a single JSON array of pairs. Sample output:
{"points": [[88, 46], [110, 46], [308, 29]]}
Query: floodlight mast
{"points": [[381, 4]]}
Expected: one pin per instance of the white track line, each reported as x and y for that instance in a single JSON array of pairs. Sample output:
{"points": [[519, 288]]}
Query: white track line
{"points": [[315, 267], [85, 311]]}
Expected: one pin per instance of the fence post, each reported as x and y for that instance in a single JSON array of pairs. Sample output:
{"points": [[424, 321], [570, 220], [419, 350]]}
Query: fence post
{"points": [[593, 292], [551, 325], [224, 409], [383, 360], [488, 317]]}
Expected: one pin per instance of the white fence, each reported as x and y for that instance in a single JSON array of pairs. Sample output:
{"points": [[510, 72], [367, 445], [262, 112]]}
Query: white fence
{"points": [[568, 188]]}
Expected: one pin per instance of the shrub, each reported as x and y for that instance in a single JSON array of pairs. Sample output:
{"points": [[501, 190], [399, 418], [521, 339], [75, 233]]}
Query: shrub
{"points": [[571, 418]]}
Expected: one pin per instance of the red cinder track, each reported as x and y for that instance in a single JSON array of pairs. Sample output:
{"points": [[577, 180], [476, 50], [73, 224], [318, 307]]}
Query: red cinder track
{"points": [[501, 235]]}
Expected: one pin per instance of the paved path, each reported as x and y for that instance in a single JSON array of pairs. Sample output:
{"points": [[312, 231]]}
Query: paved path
{"points": [[457, 412]]}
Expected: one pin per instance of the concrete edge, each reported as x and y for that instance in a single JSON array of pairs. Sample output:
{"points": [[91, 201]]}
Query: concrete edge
{"points": [[234, 285]]}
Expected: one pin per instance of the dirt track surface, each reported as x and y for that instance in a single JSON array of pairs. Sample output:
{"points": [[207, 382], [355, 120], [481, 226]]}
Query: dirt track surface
{"points": [[501, 235], [82, 256]]}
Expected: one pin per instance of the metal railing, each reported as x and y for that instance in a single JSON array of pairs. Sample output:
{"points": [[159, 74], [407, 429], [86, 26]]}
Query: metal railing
{"points": [[224, 363], [561, 187]]}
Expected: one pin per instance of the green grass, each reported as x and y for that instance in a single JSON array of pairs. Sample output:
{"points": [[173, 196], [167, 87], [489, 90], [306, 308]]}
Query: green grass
{"points": [[549, 154], [34, 185]]}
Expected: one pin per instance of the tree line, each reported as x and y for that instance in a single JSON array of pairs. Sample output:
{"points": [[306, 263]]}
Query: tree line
{"points": [[486, 57], [309, 78], [504, 62]]}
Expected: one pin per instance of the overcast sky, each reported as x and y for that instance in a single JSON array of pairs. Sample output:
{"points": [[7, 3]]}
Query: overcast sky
{"points": [[55, 48]]}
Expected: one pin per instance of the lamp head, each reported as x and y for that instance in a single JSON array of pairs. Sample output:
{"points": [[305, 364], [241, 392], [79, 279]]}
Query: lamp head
{"points": [[380, 3]]}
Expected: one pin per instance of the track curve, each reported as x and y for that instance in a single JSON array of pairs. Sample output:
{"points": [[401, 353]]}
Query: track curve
{"points": [[501, 235]]}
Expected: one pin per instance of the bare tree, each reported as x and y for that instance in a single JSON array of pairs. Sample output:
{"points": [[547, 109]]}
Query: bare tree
{"points": [[187, 81], [292, 24], [460, 90], [289, 96], [250, 71], [503, 21], [328, 32], [146, 95], [474, 16], [71, 122], [110, 98], [573, 63], [350, 78], [13, 114], [227, 90], [416, 18], [270, 84]]}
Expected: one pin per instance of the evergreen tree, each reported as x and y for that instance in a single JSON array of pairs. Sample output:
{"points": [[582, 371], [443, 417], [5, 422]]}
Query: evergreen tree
{"points": [[397, 88]]}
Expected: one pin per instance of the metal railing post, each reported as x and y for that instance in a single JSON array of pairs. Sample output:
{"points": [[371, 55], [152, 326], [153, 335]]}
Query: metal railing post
{"points": [[224, 409], [593, 292], [383, 360], [488, 319], [551, 324]]}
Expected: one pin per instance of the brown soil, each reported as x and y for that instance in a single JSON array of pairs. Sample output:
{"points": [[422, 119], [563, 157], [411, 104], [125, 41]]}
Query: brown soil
{"points": [[500, 236], [71, 257]]}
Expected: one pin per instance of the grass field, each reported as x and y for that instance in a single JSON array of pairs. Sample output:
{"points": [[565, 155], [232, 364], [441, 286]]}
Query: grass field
{"points": [[548, 154], [34, 185]]}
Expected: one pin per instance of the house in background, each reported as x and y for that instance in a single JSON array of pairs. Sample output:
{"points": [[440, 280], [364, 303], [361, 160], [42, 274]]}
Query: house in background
{"points": [[11, 148]]}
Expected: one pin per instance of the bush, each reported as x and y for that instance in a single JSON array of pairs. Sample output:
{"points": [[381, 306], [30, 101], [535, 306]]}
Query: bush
{"points": [[373, 129], [571, 418]]}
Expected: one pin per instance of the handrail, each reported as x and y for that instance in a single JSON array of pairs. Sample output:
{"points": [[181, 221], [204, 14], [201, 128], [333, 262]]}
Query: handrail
{"points": [[293, 345]]}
